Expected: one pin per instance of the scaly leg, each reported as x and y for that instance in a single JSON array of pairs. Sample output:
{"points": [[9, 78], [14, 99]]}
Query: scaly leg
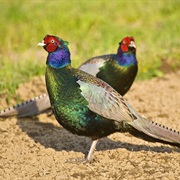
{"points": [[92, 148]]}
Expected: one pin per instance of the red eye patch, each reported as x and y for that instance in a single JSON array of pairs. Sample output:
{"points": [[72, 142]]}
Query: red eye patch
{"points": [[51, 39], [126, 40], [125, 43], [51, 43]]}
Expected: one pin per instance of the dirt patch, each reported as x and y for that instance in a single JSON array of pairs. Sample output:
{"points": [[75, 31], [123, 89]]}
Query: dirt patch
{"points": [[38, 147]]}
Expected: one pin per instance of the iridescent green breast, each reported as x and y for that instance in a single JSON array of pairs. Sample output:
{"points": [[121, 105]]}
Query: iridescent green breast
{"points": [[119, 77], [71, 108]]}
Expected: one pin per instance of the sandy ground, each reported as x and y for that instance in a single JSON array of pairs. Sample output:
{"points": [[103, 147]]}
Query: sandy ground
{"points": [[38, 147]]}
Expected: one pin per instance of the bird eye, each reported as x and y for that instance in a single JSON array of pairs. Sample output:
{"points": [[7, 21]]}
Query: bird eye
{"points": [[124, 42], [52, 41]]}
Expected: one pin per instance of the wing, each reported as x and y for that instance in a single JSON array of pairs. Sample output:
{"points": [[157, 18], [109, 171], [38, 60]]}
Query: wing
{"points": [[108, 103], [93, 65], [105, 101], [92, 68]]}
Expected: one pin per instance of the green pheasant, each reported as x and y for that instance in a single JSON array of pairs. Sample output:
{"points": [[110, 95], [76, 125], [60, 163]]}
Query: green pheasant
{"points": [[87, 106]]}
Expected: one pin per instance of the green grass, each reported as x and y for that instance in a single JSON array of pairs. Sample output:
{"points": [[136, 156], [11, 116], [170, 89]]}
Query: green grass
{"points": [[92, 28]]}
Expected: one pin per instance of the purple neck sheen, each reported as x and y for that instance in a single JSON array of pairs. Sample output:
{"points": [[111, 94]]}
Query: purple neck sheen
{"points": [[59, 58], [126, 58]]}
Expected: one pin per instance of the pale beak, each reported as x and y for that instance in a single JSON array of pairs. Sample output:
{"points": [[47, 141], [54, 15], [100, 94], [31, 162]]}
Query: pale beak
{"points": [[41, 44], [132, 44]]}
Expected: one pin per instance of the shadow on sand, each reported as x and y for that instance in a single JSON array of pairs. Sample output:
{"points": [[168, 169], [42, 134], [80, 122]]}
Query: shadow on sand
{"points": [[56, 137]]}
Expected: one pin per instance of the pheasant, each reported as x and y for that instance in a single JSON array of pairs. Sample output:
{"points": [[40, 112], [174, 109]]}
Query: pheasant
{"points": [[118, 70], [88, 106]]}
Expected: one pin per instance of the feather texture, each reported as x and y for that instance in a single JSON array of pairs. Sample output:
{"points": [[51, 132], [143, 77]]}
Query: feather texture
{"points": [[87, 106]]}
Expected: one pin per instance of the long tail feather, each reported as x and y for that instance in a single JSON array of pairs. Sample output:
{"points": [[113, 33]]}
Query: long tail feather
{"points": [[156, 130], [28, 108]]}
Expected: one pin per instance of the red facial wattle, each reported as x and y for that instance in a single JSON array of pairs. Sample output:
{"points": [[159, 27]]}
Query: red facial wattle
{"points": [[124, 45], [51, 43]]}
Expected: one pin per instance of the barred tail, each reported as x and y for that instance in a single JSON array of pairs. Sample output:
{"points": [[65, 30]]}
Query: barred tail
{"points": [[156, 130], [28, 108]]}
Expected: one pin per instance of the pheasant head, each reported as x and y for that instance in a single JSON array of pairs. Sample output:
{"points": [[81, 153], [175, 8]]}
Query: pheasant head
{"points": [[58, 52], [126, 55], [127, 45]]}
